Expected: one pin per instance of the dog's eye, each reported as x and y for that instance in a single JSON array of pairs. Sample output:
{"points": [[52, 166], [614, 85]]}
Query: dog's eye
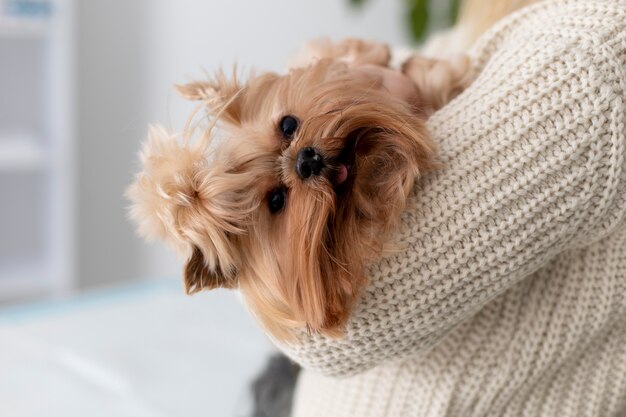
{"points": [[288, 126], [276, 200]]}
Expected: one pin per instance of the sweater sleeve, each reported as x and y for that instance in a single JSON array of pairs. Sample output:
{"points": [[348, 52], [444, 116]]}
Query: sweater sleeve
{"points": [[533, 155]]}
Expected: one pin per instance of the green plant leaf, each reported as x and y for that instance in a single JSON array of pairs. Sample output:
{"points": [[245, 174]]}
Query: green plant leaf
{"points": [[357, 3], [454, 11], [418, 18]]}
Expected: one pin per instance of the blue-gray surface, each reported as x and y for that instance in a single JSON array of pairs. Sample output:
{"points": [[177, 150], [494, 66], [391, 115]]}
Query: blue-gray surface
{"points": [[143, 350]]}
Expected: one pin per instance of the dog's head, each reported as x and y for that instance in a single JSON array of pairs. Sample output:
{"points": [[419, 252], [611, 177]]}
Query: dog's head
{"points": [[296, 200]]}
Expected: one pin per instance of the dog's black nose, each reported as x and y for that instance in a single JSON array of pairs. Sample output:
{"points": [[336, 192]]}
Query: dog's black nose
{"points": [[309, 162]]}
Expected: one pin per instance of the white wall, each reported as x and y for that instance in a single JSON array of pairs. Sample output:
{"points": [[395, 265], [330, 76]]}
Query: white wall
{"points": [[130, 54]]}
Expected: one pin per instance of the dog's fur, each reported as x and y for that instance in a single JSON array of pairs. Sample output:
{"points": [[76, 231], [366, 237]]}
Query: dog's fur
{"points": [[302, 266]]}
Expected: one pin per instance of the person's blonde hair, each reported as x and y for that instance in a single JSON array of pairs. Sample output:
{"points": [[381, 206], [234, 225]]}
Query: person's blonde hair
{"points": [[476, 16]]}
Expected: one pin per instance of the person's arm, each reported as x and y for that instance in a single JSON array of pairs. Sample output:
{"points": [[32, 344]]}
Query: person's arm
{"points": [[533, 155]]}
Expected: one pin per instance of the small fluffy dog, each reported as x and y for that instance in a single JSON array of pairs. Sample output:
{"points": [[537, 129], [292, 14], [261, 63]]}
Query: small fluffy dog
{"points": [[306, 187]]}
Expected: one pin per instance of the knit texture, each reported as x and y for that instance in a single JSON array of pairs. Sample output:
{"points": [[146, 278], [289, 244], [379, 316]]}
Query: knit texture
{"points": [[510, 298]]}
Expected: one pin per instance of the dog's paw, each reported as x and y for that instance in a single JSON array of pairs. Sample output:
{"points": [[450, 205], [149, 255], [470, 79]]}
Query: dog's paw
{"points": [[439, 80], [352, 51]]}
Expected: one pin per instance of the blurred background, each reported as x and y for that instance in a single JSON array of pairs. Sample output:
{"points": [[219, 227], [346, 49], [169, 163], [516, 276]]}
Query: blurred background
{"points": [[91, 317]]}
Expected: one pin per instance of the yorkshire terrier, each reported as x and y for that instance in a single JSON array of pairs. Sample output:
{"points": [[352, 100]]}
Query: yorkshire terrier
{"points": [[308, 184]]}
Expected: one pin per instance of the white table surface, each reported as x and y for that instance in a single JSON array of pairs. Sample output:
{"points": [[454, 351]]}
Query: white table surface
{"points": [[144, 350]]}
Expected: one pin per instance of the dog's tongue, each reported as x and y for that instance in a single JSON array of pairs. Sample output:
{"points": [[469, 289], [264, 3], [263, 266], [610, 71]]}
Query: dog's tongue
{"points": [[342, 174]]}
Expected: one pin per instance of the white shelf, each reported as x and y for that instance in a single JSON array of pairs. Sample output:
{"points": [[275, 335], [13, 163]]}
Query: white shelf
{"points": [[21, 154], [36, 163], [20, 28]]}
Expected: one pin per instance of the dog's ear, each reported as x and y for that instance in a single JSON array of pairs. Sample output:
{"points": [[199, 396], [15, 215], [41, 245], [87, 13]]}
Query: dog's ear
{"points": [[198, 276], [223, 96], [177, 198], [438, 80]]}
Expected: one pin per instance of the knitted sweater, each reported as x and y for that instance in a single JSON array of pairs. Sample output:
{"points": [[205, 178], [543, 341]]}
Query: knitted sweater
{"points": [[511, 297]]}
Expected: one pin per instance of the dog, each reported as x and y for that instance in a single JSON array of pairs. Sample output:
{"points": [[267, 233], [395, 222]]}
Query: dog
{"points": [[308, 184]]}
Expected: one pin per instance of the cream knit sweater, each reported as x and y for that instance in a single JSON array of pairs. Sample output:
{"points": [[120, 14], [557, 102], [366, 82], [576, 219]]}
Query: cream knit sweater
{"points": [[511, 299]]}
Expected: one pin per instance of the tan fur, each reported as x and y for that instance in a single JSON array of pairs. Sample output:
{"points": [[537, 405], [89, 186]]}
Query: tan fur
{"points": [[439, 81], [302, 266], [351, 51]]}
